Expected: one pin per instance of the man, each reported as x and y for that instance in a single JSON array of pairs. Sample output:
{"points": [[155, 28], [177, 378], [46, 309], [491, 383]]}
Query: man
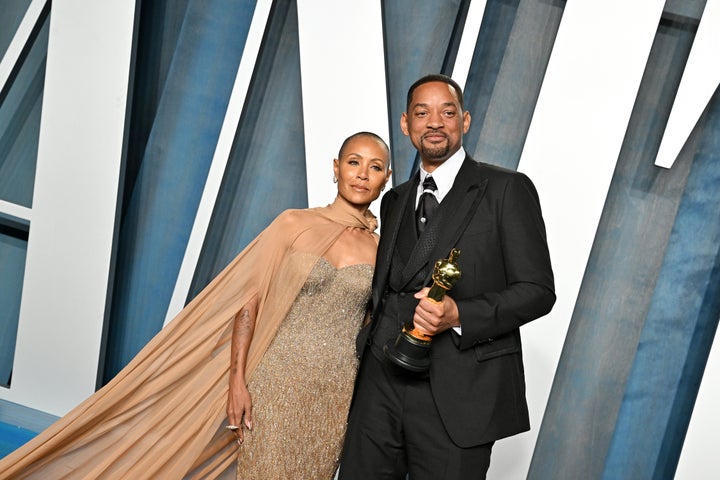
{"points": [[442, 424]]}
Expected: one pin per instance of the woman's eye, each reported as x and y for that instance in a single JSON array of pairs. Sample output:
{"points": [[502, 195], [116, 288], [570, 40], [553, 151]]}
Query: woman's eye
{"points": [[376, 168]]}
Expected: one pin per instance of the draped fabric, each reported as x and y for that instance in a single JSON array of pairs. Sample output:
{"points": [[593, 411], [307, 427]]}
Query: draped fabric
{"points": [[163, 415]]}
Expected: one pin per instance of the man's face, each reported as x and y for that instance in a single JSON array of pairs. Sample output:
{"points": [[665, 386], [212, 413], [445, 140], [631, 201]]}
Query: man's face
{"points": [[435, 123]]}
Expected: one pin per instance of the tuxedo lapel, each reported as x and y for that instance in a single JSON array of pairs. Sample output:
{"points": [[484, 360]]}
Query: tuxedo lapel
{"points": [[407, 234], [449, 221], [390, 228]]}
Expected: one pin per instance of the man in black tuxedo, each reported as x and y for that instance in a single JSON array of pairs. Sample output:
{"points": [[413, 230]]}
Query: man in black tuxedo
{"points": [[442, 424]]}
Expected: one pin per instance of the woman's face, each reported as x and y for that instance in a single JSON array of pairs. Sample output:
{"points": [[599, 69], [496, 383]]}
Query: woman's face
{"points": [[362, 171]]}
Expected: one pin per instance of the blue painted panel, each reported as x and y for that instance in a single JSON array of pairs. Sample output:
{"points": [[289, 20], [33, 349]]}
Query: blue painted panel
{"points": [[13, 250], [507, 70], [161, 207], [420, 38], [488, 56], [19, 424], [20, 105], [266, 173], [11, 15], [679, 328], [13, 437], [158, 26], [620, 279]]}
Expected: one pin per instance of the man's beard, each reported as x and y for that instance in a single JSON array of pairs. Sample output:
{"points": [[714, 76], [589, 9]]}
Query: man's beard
{"points": [[431, 152]]}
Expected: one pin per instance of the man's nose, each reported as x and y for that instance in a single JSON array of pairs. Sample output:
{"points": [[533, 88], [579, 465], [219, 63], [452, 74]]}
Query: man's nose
{"points": [[435, 120]]}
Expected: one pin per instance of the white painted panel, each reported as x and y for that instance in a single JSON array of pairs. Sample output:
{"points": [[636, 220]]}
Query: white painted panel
{"points": [[220, 157], [343, 83], [14, 210], [574, 140], [74, 204], [699, 81], [463, 60]]}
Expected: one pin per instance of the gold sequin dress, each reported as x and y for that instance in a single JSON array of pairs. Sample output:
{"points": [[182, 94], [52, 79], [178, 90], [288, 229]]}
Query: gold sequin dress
{"points": [[302, 388]]}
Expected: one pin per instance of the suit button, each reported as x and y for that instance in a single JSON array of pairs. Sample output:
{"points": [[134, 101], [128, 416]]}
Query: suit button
{"points": [[402, 294]]}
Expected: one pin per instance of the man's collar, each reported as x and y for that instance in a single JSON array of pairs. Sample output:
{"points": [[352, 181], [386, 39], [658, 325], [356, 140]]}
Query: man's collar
{"points": [[445, 173]]}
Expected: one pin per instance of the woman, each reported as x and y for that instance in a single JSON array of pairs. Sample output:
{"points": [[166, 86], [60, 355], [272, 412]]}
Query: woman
{"points": [[282, 316]]}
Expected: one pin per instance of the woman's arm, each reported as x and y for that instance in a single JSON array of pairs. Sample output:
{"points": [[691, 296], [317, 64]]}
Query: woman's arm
{"points": [[239, 404]]}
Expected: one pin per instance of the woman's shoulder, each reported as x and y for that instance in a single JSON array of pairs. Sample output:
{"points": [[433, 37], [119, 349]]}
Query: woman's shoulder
{"points": [[296, 219], [295, 215]]}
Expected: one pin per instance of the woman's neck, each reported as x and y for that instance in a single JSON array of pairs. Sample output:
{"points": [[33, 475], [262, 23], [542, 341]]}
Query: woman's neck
{"points": [[343, 204]]}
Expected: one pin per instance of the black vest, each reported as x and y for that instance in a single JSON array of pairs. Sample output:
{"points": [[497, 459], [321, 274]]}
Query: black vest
{"points": [[399, 302]]}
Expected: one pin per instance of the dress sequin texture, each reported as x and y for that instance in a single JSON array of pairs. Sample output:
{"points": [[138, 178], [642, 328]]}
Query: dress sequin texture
{"points": [[302, 388]]}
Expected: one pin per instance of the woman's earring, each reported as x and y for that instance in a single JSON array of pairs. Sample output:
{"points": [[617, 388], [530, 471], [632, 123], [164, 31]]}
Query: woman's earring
{"points": [[334, 179]]}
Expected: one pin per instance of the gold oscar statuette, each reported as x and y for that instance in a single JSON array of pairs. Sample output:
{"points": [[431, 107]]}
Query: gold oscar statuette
{"points": [[411, 349]]}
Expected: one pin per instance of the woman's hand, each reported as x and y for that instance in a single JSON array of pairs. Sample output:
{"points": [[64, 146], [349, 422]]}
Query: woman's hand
{"points": [[239, 403], [239, 410]]}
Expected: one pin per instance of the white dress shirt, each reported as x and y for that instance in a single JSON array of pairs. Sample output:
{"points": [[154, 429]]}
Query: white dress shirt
{"points": [[444, 177]]}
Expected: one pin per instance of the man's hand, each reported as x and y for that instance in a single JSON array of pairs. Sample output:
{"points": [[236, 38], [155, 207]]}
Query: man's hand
{"points": [[432, 318]]}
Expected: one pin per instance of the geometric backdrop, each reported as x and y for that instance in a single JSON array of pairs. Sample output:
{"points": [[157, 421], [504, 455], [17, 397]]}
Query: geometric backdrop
{"points": [[613, 372]]}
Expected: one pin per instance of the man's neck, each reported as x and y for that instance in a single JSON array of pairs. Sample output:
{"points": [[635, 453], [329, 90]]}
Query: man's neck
{"points": [[431, 165]]}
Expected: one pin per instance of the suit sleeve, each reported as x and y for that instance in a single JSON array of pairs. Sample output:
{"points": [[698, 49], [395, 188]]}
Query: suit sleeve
{"points": [[514, 284]]}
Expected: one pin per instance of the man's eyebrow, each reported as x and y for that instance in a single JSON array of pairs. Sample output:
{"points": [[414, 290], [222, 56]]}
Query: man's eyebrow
{"points": [[425, 105]]}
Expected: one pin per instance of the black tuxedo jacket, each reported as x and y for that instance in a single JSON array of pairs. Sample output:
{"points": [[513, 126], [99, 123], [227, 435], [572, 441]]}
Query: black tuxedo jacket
{"points": [[493, 216]]}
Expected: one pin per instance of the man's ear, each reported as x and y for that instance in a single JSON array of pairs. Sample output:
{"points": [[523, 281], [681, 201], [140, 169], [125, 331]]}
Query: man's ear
{"points": [[403, 124], [466, 122]]}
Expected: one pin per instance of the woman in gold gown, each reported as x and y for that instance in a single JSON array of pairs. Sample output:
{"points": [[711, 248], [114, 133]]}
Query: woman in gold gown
{"points": [[266, 349]]}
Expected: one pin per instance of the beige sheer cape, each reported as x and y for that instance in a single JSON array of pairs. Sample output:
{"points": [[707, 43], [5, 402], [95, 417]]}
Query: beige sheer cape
{"points": [[163, 415]]}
